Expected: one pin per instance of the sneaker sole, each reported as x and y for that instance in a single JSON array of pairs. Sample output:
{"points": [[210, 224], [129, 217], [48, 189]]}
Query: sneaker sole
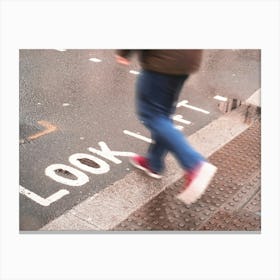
{"points": [[196, 189], [149, 173]]}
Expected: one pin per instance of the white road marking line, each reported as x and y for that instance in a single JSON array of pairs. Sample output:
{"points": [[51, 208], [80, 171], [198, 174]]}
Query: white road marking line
{"points": [[40, 200], [134, 72], [179, 118], [61, 50], [184, 104], [197, 109], [58, 195], [143, 138], [94, 59], [220, 98], [65, 104]]}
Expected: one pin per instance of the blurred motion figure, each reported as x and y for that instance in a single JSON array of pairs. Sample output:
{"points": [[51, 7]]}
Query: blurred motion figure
{"points": [[158, 87]]}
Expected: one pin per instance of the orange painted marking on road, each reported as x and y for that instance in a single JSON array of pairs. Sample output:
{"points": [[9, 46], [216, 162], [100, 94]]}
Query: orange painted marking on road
{"points": [[49, 128]]}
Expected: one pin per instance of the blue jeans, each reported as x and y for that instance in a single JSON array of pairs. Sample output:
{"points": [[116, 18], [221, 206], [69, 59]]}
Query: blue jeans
{"points": [[156, 98]]}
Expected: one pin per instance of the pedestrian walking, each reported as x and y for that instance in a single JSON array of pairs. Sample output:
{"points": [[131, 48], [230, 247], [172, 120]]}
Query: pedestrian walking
{"points": [[158, 87]]}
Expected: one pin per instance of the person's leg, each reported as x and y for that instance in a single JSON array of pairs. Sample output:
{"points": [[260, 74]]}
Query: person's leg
{"points": [[157, 150], [174, 141], [157, 95], [156, 154], [145, 105]]}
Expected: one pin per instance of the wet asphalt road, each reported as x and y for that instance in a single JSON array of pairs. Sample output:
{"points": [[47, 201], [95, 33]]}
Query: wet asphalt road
{"points": [[88, 102]]}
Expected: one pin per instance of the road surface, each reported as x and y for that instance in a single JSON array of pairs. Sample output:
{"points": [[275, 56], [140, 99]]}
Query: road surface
{"points": [[78, 122]]}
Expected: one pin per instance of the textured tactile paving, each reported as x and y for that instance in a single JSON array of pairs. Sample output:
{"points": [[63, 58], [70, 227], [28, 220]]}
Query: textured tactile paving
{"points": [[240, 220], [231, 203], [254, 205]]}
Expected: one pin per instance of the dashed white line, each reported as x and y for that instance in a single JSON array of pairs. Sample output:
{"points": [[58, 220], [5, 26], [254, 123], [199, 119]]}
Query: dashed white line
{"points": [[94, 59], [61, 50], [220, 98]]}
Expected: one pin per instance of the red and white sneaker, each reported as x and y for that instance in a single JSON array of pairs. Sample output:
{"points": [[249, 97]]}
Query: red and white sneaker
{"points": [[197, 182], [142, 164]]}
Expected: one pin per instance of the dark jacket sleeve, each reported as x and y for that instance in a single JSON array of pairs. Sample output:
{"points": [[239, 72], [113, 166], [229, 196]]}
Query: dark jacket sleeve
{"points": [[124, 53]]}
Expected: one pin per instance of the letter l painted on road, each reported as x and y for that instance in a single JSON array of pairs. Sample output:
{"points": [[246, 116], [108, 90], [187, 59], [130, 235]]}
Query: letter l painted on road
{"points": [[40, 200]]}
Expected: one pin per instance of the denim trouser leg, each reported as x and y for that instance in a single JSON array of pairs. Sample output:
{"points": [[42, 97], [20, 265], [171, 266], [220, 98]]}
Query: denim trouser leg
{"points": [[157, 153], [157, 95]]}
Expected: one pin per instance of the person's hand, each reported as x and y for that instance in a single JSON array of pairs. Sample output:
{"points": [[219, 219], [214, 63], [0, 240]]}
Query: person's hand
{"points": [[122, 60]]}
